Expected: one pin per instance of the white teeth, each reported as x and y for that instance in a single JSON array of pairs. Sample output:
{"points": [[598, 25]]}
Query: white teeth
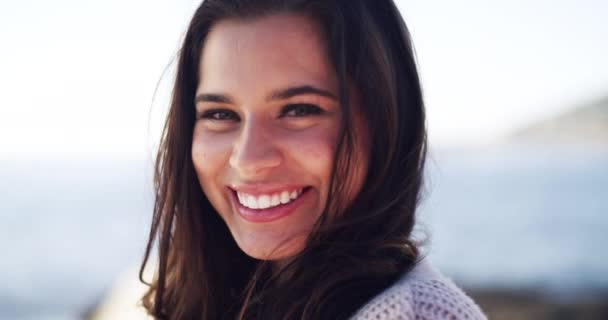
{"points": [[284, 197], [267, 200], [263, 202], [276, 200], [252, 202]]}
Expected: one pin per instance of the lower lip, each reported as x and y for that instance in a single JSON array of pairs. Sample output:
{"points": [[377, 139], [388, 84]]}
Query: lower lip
{"points": [[269, 214]]}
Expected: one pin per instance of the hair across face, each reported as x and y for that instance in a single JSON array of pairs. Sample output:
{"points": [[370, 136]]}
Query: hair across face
{"points": [[268, 119]]}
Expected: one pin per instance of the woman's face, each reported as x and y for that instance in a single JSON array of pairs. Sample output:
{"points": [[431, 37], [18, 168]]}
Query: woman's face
{"points": [[266, 130]]}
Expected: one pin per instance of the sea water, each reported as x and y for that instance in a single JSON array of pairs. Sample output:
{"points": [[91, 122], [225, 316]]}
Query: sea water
{"points": [[522, 217]]}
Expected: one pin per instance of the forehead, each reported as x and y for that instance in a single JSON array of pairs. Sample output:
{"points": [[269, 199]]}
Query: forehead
{"points": [[254, 56]]}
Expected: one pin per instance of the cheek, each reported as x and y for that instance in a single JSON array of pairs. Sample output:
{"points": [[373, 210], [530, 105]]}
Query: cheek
{"points": [[313, 151], [210, 154]]}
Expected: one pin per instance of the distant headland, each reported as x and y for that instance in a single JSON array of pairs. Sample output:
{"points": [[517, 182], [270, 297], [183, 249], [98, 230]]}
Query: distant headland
{"points": [[586, 124]]}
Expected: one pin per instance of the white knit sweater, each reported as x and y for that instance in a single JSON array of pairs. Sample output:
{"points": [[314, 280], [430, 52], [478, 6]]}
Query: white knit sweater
{"points": [[422, 294]]}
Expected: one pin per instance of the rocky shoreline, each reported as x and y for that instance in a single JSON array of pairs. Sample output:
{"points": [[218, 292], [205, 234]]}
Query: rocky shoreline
{"points": [[509, 304]]}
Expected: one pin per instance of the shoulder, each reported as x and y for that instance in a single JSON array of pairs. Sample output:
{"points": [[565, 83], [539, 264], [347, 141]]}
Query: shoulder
{"points": [[423, 293]]}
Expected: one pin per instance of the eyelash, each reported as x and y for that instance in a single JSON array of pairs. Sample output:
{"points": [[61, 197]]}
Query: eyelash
{"points": [[227, 115]]}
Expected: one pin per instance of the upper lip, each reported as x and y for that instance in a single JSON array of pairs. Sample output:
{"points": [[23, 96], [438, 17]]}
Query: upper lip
{"points": [[256, 189]]}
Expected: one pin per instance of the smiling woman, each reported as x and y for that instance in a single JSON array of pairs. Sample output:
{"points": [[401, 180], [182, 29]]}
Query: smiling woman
{"points": [[290, 168], [266, 130]]}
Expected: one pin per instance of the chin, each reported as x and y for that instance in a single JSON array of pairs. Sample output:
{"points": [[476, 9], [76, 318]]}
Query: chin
{"points": [[276, 252]]}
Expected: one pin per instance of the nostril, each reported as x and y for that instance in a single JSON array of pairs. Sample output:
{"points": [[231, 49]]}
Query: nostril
{"points": [[252, 159]]}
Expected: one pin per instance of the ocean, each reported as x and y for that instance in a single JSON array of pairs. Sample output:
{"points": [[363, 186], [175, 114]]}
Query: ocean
{"points": [[510, 217]]}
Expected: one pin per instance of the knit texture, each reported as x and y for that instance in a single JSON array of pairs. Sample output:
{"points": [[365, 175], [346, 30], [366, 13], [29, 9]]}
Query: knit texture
{"points": [[422, 294]]}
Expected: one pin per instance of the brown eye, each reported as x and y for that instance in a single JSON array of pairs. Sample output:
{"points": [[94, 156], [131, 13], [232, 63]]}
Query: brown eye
{"points": [[301, 110], [220, 115]]}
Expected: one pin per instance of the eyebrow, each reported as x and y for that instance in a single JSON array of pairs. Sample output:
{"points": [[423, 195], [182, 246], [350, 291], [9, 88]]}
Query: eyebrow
{"points": [[212, 97], [301, 90], [281, 94]]}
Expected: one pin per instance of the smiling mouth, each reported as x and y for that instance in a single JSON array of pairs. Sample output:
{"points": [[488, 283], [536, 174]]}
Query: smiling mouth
{"points": [[268, 207], [268, 200]]}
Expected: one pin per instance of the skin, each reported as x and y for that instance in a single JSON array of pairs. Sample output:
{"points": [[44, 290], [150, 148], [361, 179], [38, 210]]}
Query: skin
{"points": [[246, 134]]}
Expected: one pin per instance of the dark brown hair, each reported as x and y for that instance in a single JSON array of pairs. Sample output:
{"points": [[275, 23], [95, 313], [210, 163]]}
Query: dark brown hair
{"points": [[201, 272]]}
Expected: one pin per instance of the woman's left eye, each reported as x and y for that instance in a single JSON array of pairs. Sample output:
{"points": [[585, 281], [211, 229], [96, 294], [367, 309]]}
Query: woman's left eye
{"points": [[300, 110]]}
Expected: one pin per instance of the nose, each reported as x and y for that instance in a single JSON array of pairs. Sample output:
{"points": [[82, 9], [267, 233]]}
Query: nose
{"points": [[255, 152]]}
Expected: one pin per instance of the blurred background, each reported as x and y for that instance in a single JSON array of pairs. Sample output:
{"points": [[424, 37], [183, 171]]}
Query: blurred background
{"points": [[516, 201]]}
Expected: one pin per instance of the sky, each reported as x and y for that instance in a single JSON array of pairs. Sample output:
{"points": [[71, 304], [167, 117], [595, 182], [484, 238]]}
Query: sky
{"points": [[92, 78]]}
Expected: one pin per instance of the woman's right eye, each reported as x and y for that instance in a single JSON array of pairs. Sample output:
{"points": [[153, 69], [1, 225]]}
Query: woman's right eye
{"points": [[219, 115]]}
